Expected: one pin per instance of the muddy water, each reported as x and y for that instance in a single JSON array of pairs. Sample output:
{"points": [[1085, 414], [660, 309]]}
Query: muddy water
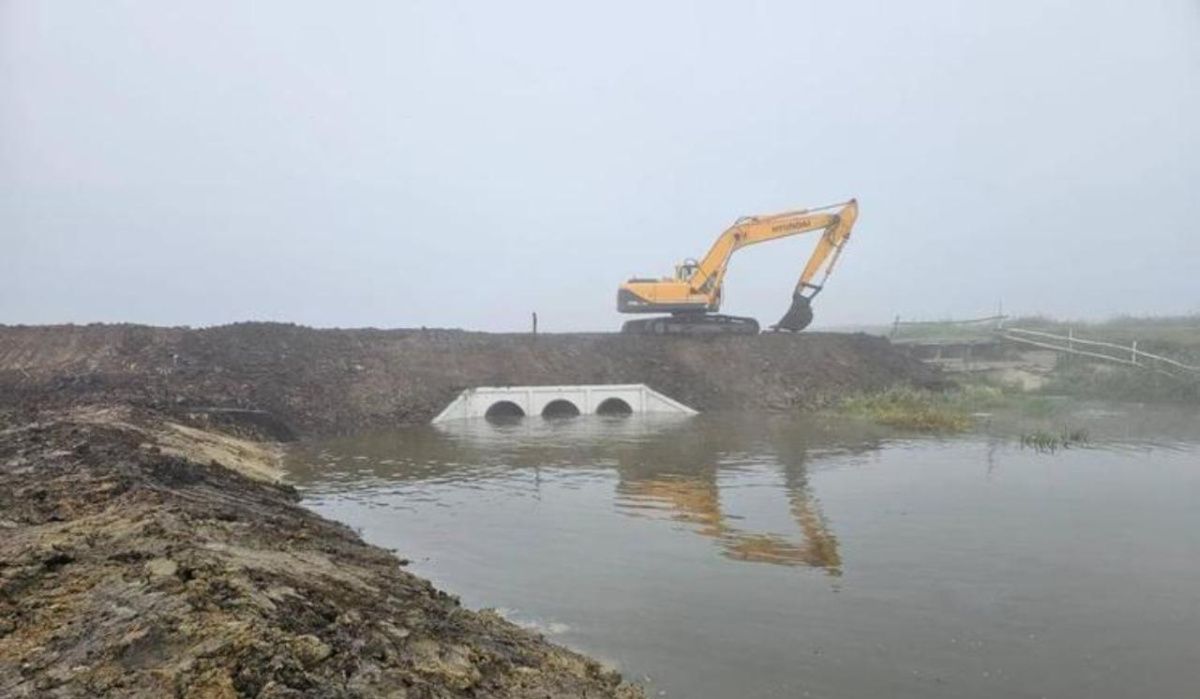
{"points": [[751, 556]]}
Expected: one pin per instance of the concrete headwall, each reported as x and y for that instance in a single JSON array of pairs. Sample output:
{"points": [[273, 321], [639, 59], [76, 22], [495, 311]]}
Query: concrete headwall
{"points": [[537, 400]]}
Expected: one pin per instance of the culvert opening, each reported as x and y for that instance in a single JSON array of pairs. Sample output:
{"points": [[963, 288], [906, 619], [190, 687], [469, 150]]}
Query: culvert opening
{"points": [[504, 411], [614, 407], [560, 408]]}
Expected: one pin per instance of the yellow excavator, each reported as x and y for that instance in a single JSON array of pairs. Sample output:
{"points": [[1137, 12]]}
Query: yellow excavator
{"points": [[693, 296]]}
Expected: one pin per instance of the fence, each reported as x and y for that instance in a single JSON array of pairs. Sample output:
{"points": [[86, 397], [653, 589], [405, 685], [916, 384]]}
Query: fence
{"points": [[1097, 349]]}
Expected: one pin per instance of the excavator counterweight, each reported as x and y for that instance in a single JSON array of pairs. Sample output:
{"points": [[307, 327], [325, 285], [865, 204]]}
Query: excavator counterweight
{"points": [[693, 296]]}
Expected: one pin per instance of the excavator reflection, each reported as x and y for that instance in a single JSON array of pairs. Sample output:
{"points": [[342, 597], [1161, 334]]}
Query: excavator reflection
{"points": [[695, 499]]}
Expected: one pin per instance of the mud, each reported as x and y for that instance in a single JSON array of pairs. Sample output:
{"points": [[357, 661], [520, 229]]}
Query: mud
{"points": [[132, 566], [278, 380]]}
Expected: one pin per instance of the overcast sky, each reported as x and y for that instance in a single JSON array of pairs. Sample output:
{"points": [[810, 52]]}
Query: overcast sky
{"points": [[461, 164]]}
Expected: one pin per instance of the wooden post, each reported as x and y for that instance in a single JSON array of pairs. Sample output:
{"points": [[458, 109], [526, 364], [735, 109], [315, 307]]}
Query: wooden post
{"points": [[535, 323], [1133, 350]]}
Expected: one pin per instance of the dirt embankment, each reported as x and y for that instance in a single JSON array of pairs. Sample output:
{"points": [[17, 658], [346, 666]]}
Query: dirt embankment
{"points": [[131, 565], [282, 379]]}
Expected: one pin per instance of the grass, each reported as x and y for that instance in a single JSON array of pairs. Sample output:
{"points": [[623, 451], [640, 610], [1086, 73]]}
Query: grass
{"points": [[910, 408], [1084, 379], [942, 332], [954, 410], [1051, 442]]}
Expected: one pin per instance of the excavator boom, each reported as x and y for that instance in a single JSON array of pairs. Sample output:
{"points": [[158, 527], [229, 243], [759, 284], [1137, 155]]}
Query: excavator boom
{"points": [[693, 295]]}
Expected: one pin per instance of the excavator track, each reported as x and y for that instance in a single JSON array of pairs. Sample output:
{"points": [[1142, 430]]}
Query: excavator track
{"points": [[692, 324]]}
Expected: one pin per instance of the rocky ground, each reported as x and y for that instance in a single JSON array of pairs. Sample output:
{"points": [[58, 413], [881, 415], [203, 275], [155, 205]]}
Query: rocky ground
{"points": [[133, 564]]}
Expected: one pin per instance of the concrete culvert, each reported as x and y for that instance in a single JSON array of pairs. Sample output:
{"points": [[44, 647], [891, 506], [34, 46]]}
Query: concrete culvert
{"points": [[503, 411], [560, 408], [614, 406]]}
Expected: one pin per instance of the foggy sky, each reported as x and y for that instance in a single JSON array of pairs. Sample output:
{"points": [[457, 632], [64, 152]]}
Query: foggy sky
{"points": [[461, 164]]}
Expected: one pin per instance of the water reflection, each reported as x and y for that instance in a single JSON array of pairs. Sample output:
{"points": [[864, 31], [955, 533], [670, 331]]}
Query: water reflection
{"points": [[706, 553], [680, 480], [666, 468], [696, 501]]}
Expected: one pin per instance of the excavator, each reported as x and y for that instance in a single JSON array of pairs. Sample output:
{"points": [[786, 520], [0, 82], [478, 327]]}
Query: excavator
{"points": [[693, 296]]}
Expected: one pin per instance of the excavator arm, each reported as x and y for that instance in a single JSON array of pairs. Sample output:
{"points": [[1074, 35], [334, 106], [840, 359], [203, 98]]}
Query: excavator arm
{"points": [[829, 248], [751, 230]]}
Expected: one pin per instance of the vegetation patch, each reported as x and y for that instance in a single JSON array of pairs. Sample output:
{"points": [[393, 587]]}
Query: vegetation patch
{"points": [[953, 410], [1075, 377], [1051, 442], [910, 408]]}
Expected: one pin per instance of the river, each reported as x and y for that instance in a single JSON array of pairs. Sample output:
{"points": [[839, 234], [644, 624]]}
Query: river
{"points": [[796, 556]]}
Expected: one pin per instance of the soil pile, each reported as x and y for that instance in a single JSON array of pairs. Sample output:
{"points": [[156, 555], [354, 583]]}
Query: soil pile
{"points": [[129, 568], [277, 379]]}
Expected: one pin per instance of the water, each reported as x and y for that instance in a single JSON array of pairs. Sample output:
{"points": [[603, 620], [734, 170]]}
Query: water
{"points": [[752, 556]]}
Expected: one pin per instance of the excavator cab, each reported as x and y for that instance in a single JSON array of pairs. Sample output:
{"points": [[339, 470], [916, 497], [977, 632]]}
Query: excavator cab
{"points": [[684, 271]]}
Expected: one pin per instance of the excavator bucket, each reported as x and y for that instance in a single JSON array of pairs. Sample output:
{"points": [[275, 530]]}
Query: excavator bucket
{"points": [[797, 317]]}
